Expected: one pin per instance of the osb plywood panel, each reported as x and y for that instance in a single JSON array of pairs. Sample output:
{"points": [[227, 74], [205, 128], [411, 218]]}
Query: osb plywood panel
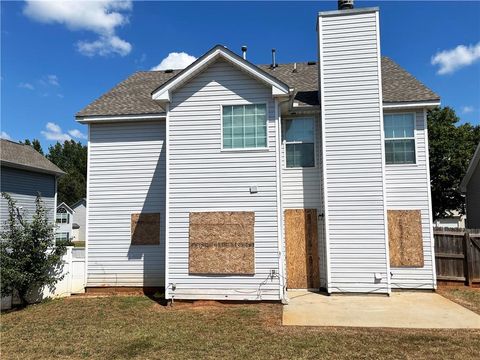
{"points": [[301, 236], [405, 238], [145, 229], [222, 243]]}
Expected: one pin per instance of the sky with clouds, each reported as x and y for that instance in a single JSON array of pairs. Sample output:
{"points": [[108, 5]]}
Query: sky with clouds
{"points": [[59, 56]]}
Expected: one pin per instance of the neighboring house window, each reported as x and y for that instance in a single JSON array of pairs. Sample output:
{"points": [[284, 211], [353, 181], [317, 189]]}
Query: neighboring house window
{"points": [[399, 138], [63, 217], [63, 236], [245, 126], [299, 137]]}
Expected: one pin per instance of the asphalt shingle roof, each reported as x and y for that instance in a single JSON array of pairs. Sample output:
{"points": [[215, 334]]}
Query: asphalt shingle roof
{"points": [[26, 157], [133, 95]]}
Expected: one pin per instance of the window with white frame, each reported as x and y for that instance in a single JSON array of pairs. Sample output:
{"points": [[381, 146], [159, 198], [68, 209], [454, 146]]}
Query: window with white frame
{"points": [[299, 138], [63, 217], [399, 138], [62, 236], [244, 126]]}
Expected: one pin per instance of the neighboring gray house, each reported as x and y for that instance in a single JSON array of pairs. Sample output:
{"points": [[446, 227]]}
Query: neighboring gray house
{"points": [[230, 180], [24, 174], [471, 187], [64, 222], [79, 219]]}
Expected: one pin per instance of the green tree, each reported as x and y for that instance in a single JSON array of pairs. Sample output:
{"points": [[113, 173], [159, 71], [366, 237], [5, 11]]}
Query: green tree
{"points": [[71, 157], [29, 256], [451, 147]]}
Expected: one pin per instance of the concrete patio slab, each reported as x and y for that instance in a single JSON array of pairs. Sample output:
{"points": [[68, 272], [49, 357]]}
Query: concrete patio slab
{"points": [[419, 310]]}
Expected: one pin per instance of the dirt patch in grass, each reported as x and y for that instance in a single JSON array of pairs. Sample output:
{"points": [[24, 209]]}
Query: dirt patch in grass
{"points": [[465, 296], [135, 327]]}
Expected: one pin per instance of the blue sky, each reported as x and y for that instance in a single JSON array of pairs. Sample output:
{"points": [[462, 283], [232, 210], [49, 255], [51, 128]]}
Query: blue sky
{"points": [[56, 58]]}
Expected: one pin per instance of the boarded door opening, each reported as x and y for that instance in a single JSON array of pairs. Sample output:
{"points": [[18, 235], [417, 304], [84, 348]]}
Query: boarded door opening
{"points": [[301, 241]]}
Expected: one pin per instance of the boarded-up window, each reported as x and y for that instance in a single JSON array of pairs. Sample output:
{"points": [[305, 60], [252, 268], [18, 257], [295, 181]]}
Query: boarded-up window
{"points": [[222, 243], [405, 238], [145, 229]]}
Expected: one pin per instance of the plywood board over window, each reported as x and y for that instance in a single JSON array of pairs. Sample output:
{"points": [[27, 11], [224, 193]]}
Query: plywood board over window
{"points": [[222, 243], [145, 228], [405, 238]]}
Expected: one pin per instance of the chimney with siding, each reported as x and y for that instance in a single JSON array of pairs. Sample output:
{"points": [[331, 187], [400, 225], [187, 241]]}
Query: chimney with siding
{"points": [[350, 93]]}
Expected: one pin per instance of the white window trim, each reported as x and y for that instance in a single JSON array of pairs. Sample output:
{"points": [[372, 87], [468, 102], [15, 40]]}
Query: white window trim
{"points": [[284, 143], [414, 138], [250, 149]]}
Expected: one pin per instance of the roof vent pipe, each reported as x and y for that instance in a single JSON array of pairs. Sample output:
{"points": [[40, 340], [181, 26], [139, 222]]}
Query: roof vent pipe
{"points": [[274, 62], [244, 52], [345, 4]]}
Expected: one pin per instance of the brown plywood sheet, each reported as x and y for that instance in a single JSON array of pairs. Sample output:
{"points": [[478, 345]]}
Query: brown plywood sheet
{"points": [[222, 243], [405, 238], [145, 229], [301, 236]]}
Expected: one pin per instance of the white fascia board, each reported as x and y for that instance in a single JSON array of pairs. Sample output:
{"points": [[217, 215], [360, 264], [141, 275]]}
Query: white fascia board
{"points": [[409, 105], [278, 89], [114, 118]]}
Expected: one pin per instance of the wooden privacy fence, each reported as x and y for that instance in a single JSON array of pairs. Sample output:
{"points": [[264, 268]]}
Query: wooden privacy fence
{"points": [[457, 255]]}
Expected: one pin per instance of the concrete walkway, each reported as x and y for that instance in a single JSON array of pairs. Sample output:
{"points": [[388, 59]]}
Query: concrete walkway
{"points": [[419, 310]]}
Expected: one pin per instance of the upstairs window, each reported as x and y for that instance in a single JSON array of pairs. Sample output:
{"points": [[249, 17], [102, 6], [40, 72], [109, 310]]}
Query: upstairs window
{"points": [[299, 138], [399, 138], [63, 217], [245, 126]]}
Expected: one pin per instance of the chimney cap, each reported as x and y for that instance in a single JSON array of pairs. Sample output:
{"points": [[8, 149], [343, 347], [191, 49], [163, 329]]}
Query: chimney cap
{"points": [[345, 4]]}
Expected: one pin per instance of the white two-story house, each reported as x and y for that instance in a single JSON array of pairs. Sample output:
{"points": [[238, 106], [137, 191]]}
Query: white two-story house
{"points": [[230, 180]]}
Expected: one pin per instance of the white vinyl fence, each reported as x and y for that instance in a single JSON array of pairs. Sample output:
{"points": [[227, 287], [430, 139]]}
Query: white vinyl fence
{"points": [[72, 283]]}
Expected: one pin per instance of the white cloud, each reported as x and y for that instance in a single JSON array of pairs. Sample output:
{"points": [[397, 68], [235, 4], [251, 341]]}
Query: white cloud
{"points": [[77, 134], [104, 46], [53, 80], [175, 60], [27, 86], [100, 17], [467, 109], [454, 59], [5, 136], [54, 132]]}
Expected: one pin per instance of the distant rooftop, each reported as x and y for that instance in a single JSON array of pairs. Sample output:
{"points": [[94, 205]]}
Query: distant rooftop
{"points": [[22, 156]]}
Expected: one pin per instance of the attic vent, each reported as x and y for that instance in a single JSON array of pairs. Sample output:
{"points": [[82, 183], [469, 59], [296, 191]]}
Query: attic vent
{"points": [[345, 4], [168, 71], [311, 63]]}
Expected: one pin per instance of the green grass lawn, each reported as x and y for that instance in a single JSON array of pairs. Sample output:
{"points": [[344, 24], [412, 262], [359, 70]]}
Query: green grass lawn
{"points": [[467, 297], [125, 327]]}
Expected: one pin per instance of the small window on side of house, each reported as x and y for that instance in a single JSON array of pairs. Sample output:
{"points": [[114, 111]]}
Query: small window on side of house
{"points": [[299, 138], [399, 138], [244, 126], [63, 217]]}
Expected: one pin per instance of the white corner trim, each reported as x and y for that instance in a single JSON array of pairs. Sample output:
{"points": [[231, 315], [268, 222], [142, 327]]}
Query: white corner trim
{"points": [[87, 210], [167, 202], [324, 164], [115, 118], [163, 93], [430, 208], [382, 139], [407, 105]]}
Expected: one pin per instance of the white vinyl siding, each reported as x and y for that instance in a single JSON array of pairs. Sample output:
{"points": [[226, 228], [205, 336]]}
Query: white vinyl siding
{"points": [[407, 188], [353, 152], [126, 175], [202, 177], [302, 189]]}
